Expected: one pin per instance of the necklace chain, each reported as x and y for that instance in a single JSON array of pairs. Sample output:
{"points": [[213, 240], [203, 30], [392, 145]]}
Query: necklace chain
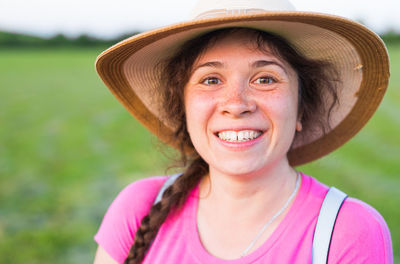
{"points": [[252, 243]]}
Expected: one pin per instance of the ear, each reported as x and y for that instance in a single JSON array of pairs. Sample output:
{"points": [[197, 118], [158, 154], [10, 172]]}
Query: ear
{"points": [[299, 126]]}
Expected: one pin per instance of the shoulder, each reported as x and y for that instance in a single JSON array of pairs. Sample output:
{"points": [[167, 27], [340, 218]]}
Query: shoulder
{"points": [[123, 217], [144, 189], [356, 210], [137, 198], [360, 235]]}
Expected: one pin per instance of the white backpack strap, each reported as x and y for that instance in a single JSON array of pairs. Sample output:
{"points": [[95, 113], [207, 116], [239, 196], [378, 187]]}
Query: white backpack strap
{"points": [[325, 223], [171, 179]]}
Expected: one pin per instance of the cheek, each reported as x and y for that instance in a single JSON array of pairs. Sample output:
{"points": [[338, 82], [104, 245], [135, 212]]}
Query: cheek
{"points": [[281, 109], [198, 107]]}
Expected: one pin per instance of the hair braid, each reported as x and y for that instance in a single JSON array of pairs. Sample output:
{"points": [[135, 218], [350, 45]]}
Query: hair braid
{"points": [[173, 198]]}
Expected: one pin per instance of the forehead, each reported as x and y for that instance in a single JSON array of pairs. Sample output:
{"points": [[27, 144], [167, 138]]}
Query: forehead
{"points": [[236, 42], [243, 46], [240, 39]]}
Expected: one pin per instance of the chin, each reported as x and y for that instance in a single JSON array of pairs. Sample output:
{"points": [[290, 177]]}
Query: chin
{"points": [[238, 168]]}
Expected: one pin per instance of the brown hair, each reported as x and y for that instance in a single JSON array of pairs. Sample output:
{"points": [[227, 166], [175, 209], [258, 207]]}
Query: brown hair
{"points": [[315, 79]]}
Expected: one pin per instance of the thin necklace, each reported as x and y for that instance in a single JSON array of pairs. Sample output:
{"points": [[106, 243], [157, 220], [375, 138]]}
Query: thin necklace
{"points": [[244, 253]]}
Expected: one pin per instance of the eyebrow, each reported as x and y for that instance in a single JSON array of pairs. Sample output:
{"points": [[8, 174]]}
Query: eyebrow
{"points": [[262, 63], [214, 64], [256, 64]]}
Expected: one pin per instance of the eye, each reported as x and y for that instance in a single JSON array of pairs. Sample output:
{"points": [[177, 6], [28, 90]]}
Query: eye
{"points": [[211, 81], [265, 80]]}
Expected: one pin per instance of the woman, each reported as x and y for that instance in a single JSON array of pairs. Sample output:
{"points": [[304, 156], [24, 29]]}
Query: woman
{"points": [[244, 106]]}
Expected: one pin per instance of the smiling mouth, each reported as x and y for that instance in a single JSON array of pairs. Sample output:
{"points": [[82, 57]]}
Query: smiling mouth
{"points": [[239, 136]]}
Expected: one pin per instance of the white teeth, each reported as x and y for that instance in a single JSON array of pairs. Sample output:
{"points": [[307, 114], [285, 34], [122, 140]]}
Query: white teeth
{"points": [[239, 136]]}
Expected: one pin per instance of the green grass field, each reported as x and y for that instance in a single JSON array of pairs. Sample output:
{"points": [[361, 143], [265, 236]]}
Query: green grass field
{"points": [[67, 148]]}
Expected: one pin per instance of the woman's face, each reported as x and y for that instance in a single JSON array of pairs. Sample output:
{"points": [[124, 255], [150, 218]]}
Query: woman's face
{"points": [[241, 107]]}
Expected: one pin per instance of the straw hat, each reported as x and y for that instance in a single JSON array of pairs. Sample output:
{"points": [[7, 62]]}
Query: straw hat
{"points": [[360, 56]]}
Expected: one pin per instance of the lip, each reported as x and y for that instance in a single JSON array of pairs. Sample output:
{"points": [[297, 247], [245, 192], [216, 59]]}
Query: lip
{"points": [[240, 145], [238, 129]]}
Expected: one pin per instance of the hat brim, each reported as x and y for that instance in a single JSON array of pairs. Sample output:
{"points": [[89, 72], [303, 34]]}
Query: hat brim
{"points": [[129, 70]]}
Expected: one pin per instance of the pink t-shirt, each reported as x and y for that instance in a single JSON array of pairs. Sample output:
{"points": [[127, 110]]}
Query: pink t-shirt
{"points": [[360, 235]]}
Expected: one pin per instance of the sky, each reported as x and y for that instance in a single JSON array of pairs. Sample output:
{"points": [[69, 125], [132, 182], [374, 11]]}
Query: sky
{"points": [[111, 18]]}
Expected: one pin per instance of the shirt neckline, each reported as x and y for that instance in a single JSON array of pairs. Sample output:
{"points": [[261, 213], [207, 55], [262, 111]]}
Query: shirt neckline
{"points": [[202, 255]]}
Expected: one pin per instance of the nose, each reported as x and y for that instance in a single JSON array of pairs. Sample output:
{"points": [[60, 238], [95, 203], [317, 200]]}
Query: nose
{"points": [[236, 101]]}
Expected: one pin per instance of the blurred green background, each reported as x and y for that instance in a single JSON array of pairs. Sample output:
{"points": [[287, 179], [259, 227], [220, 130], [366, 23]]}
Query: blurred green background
{"points": [[67, 147]]}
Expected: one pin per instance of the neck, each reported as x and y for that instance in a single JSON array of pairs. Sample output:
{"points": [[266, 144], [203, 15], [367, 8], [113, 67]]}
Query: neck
{"points": [[251, 192], [234, 211]]}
